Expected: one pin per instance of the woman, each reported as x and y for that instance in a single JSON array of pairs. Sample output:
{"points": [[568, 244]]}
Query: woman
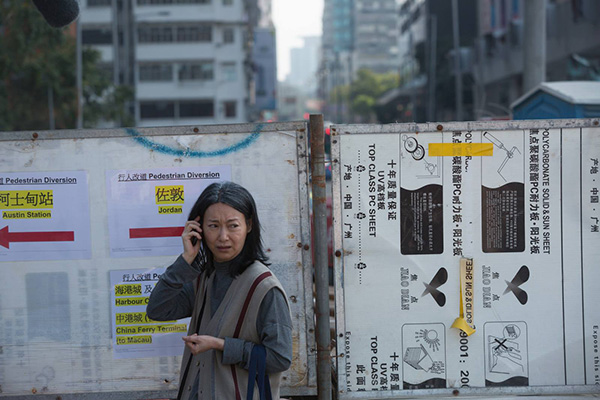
{"points": [[235, 302]]}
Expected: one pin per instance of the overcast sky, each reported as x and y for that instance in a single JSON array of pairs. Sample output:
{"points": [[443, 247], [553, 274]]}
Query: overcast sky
{"points": [[293, 20]]}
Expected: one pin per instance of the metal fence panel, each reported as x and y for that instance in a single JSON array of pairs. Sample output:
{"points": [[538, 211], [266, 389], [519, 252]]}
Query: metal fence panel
{"points": [[89, 220], [446, 229]]}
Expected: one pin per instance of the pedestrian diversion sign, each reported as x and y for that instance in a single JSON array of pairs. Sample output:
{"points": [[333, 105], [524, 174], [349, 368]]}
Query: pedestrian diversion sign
{"points": [[468, 257]]}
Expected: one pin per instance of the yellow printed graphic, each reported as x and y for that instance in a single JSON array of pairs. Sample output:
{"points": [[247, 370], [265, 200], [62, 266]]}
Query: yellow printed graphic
{"points": [[134, 340], [151, 329], [168, 194], [131, 301], [170, 210], [134, 318], [43, 214], [128, 289], [19, 199], [461, 149]]}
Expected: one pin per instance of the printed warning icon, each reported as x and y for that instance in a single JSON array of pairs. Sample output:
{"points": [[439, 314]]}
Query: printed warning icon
{"points": [[521, 277], [432, 287]]}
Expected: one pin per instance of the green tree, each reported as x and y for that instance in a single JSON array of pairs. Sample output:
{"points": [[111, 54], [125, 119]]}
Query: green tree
{"points": [[102, 100], [366, 89], [38, 64]]}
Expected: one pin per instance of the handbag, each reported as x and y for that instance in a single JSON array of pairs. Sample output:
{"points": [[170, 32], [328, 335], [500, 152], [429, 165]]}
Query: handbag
{"points": [[257, 373]]}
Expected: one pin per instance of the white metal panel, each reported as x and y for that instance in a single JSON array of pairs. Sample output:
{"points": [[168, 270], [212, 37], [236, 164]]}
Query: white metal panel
{"points": [[526, 215], [55, 335]]}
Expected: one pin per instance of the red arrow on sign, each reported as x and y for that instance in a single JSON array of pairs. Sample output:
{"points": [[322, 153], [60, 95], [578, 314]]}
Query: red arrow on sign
{"points": [[138, 233], [7, 237]]}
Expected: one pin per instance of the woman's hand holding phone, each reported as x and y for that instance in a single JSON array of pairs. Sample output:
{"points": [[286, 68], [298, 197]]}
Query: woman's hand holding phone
{"points": [[191, 236]]}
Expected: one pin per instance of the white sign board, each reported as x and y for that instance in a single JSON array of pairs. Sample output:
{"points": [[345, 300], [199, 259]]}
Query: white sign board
{"points": [[519, 201], [91, 218]]}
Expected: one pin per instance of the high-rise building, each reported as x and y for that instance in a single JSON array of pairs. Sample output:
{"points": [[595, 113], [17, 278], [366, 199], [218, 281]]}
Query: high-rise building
{"points": [[304, 63], [426, 68], [190, 61], [265, 74], [375, 36], [490, 52], [356, 34], [572, 45]]}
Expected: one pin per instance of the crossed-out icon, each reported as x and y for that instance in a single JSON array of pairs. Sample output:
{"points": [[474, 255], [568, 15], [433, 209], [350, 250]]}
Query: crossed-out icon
{"points": [[432, 287], [521, 277]]}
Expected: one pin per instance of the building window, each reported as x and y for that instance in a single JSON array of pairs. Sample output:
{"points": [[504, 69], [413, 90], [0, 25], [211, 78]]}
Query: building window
{"points": [[230, 109], [96, 36], [228, 35], [98, 3], [197, 71], [194, 33], [155, 34], [228, 71], [156, 72], [196, 108], [157, 109], [227, 2]]}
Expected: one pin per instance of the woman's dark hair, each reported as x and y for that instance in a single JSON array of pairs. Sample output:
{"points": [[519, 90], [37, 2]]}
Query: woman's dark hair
{"points": [[240, 199]]}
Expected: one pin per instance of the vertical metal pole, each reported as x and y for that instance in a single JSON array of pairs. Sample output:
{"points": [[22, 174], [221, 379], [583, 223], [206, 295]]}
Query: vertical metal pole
{"points": [[136, 104], [432, 68], [79, 77], [338, 95], [115, 42], [50, 108], [319, 207], [457, 66], [413, 76], [534, 43]]}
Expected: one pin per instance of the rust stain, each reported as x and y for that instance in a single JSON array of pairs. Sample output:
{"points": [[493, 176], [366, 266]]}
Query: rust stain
{"points": [[291, 162], [297, 372], [178, 160], [291, 236]]}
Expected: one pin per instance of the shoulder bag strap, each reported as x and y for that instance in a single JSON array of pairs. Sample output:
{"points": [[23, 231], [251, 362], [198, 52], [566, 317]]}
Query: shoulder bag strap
{"points": [[257, 372]]}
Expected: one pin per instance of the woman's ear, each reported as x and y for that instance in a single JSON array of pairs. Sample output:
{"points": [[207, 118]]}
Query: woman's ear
{"points": [[248, 225]]}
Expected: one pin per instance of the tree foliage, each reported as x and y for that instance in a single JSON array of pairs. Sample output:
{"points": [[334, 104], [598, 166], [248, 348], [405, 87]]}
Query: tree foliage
{"points": [[38, 63], [364, 91]]}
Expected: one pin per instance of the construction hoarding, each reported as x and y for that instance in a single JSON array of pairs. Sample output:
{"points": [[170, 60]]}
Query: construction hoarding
{"points": [[90, 219], [468, 258]]}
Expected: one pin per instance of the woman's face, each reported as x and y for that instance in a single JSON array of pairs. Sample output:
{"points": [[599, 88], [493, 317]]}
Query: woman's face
{"points": [[224, 229]]}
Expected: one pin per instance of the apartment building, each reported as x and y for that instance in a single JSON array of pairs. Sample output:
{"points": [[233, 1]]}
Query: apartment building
{"points": [[190, 61]]}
